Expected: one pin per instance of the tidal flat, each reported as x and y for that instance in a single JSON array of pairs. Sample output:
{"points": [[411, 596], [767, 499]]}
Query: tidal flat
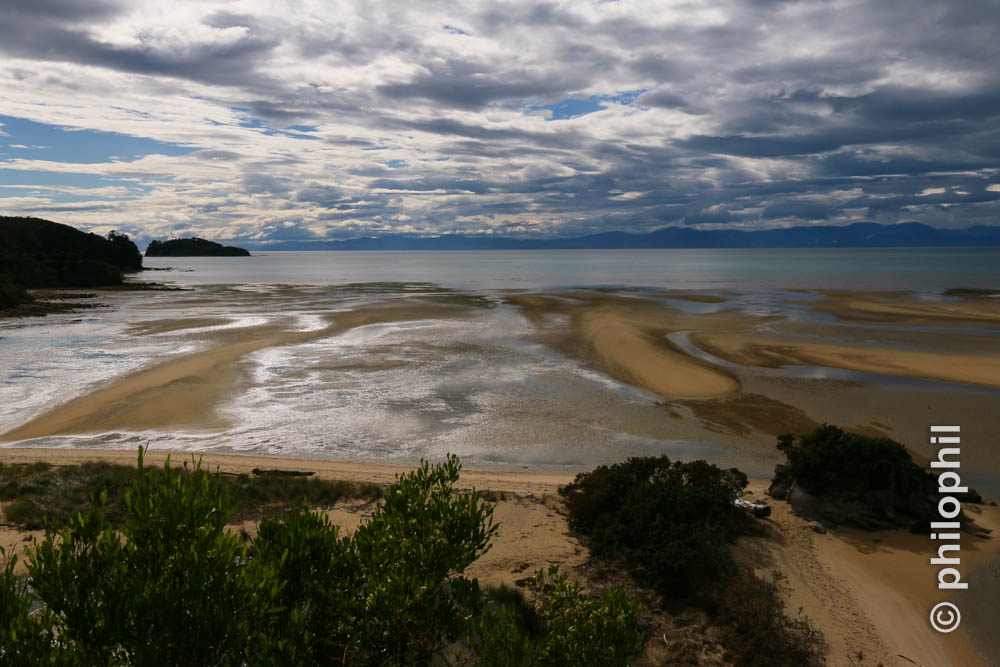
{"points": [[564, 379]]}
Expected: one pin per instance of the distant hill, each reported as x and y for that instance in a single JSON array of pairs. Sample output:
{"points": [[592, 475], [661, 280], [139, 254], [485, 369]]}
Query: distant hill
{"points": [[42, 253], [193, 247], [858, 235]]}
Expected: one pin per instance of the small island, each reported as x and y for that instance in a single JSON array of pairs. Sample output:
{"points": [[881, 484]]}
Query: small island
{"points": [[193, 247]]}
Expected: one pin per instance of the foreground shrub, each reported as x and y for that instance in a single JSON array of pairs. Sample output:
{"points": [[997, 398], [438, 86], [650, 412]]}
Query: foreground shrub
{"points": [[393, 591], [168, 585], [566, 627], [42, 494], [171, 588], [671, 522]]}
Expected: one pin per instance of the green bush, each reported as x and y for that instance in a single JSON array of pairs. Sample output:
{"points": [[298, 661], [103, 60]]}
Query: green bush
{"points": [[832, 461], [12, 295], [671, 522], [171, 588], [43, 494], [566, 627], [168, 585]]}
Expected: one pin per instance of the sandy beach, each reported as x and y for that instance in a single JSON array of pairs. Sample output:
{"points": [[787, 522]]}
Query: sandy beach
{"points": [[868, 592]]}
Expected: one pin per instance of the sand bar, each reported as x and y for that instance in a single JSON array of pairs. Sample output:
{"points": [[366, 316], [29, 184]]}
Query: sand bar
{"points": [[183, 393], [749, 350]]}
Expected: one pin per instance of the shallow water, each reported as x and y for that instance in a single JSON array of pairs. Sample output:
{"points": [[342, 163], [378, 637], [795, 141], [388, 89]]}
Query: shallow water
{"points": [[475, 384], [929, 270]]}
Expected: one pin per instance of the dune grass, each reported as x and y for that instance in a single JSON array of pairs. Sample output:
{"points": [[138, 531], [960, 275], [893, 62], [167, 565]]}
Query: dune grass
{"points": [[40, 493]]}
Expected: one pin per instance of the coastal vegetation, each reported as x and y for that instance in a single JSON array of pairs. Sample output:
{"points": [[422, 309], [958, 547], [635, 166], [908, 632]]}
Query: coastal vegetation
{"points": [[670, 524], [41, 253], [165, 583], [193, 247], [40, 494], [843, 478]]}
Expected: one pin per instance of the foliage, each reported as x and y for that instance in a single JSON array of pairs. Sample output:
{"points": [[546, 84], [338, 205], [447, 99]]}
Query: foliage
{"points": [[192, 247], [755, 629], [832, 461], [41, 253], [670, 522], [12, 295], [124, 253], [170, 586], [42, 493], [26, 638], [566, 627]]}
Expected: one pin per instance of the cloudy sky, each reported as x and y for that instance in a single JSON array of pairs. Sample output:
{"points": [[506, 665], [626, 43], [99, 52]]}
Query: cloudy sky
{"points": [[268, 120]]}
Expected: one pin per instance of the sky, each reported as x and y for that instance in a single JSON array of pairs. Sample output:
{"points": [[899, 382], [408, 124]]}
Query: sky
{"points": [[263, 121]]}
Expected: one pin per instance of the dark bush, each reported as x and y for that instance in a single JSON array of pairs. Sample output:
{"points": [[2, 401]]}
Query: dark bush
{"points": [[755, 629], [832, 461], [12, 295], [566, 627], [45, 494], [671, 522]]}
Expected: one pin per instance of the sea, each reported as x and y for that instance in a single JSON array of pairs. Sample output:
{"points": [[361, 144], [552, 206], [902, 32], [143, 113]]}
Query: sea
{"points": [[480, 386]]}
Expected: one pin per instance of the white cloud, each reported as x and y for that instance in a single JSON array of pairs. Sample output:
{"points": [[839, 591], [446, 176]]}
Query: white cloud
{"points": [[739, 112]]}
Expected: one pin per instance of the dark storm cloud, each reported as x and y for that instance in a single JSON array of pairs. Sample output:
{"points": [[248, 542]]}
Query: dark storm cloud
{"points": [[462, 84], [59, 33]]}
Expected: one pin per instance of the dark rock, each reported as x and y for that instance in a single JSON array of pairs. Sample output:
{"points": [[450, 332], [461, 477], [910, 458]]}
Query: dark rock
{"points": [[284, 473], [817, 527]]}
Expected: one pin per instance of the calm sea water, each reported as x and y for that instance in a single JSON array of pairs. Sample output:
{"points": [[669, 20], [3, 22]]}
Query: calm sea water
{"points": [[920, 269]]}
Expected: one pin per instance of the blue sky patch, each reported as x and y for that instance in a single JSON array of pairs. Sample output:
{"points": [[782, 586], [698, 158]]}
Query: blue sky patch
{"points": [[29, 140], [574, 108], [293, 131]]}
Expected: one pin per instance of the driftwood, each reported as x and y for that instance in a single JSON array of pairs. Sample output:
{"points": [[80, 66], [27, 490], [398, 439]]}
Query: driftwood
{"points": [[284, 473], [759, 509]]}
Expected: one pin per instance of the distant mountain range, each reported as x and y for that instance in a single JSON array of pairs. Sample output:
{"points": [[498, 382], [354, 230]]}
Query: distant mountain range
{"points": [[858, 235]]}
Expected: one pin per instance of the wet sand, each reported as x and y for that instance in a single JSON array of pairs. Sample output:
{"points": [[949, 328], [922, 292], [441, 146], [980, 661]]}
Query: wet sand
{"points": [[183, 393], [627, 339], [770, 351], [902, 308]]}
